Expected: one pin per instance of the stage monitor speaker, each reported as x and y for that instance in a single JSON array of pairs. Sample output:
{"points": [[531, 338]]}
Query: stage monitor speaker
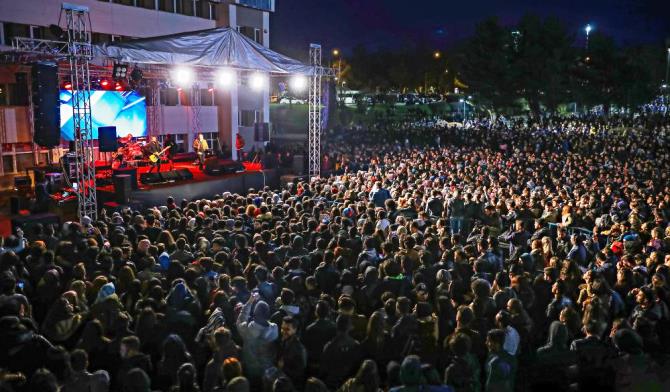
{"points": [[185, 174], [122, 188], [107, 141], [150, 178], [170, 176], [213, 166], [46, 110]]}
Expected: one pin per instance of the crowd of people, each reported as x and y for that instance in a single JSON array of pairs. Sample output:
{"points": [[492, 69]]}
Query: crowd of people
{"points": [[498, 256]]}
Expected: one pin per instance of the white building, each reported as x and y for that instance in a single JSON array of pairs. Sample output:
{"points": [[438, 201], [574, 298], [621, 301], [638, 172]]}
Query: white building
{"points": [[221, 114]]}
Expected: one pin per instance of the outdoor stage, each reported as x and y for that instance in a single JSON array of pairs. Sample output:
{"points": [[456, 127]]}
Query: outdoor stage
{"points": [[202, 185]]}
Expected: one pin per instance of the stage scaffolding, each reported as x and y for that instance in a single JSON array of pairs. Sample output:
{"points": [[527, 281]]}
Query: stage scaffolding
{"points": [[80, 52]]}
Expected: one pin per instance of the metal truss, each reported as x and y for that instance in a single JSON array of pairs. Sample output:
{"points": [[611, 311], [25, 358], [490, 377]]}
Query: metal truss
{"points": [[314, 122], [195, 109], [43, 47], [154, 108], [80, 52]]}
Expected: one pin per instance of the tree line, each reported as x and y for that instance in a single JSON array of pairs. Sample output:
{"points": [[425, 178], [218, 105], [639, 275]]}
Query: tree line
{"points": [[538, 61]]}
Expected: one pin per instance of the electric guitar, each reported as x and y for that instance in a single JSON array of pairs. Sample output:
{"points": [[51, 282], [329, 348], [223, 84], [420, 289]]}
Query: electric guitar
{"points": [[157, 155]]}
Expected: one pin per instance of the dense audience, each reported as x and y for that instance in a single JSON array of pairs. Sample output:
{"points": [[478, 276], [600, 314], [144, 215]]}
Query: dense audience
{"points": [[499, 256]]}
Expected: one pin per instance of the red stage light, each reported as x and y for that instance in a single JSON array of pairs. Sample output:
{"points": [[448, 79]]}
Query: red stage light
{"points": [[104, 83], [118, 87], [67, 86], [210, 89]]}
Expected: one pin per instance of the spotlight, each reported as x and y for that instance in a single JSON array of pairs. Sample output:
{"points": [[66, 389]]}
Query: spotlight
{"points": [[257, 81], [183, 76], [298, 83], [67, 86], [210, 87], [118, 86], [225, 77], [104, 83], [120, 71]]}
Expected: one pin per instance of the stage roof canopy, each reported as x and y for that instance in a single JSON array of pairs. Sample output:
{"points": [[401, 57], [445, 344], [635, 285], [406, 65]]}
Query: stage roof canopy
{"points": [[218, 47]]}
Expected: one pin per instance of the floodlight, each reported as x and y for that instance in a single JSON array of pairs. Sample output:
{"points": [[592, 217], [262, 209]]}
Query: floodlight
{"points": [[183, 76], [298, 83], [225, 77], [257, 81]]}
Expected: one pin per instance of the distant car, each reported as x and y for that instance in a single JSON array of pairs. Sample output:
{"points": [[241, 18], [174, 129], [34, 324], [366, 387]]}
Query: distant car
{"points": [[297, 101]]}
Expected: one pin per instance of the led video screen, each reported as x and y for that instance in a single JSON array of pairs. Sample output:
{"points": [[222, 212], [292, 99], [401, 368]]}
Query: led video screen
{"points": [[126, 110]]}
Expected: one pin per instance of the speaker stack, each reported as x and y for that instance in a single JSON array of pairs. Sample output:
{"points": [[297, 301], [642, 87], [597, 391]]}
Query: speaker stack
{"points": [[46, 111], [122, 188], [107, 141]]}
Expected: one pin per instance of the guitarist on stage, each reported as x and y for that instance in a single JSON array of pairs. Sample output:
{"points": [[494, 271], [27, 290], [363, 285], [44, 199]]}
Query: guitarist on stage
{"points": [[200, 146], [153, 147]]}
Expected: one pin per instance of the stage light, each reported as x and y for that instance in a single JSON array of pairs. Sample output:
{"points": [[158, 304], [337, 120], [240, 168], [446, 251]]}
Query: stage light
{"points": [[67, 86], [257, 81], [104, 83], [298, 83], [225, 77], [118, 86], [183, 76], [120, 71], [210, 87]]}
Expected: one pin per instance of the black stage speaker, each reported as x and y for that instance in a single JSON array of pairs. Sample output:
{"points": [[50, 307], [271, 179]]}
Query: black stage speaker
{"points": [[184, 174], [150, 178], [214, 166], [170, 176], [131, 171], [122, 188], [46, 111], [107, 139]]}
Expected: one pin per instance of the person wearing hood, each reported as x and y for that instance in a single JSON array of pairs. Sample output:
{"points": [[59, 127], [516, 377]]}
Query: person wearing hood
{"points": [[258, 336], [107, 306], [61, 323], [553, 360]]}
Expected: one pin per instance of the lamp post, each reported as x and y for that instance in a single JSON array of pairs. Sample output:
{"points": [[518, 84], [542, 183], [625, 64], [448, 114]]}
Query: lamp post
{"points": [[463, 102], [587, 29], [667, 68]]}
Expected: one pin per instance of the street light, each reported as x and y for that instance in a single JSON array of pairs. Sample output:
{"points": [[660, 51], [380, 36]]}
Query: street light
{"points": [[463, 102], [667, 67], [437, 54], [588, 29], [336, 52]]}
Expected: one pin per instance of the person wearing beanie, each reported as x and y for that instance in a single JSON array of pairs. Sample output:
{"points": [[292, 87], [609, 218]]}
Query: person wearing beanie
{"points": [[258, 336]]}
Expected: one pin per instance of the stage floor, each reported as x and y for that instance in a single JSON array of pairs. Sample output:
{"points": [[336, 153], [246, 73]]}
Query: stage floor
{"points": [[202, 185]]}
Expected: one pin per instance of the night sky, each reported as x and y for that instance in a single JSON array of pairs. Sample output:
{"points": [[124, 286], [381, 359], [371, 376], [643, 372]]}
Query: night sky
{"points": [[440, 23]]}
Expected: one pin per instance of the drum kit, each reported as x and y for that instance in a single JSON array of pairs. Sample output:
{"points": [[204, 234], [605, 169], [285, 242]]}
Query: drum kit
{"points": [[129, 151]]}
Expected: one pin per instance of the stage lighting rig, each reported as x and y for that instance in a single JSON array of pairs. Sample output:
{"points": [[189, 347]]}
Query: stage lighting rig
{"points": [[120, 71]]}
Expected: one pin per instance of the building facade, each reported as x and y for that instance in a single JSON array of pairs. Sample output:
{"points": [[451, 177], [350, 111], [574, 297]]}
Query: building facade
{"points": [[220, 114]]}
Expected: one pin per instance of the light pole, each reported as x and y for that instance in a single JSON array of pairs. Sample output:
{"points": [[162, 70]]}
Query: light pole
{"points": [[463, 102], [667, 68], [587, 29]]}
